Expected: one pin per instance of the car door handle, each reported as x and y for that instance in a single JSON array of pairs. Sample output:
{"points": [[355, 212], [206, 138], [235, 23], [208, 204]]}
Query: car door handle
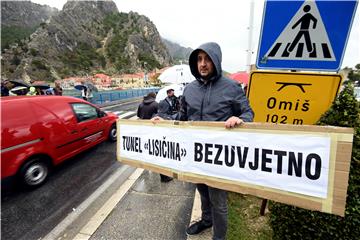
{"points": [[84, 129], [74, 131]]}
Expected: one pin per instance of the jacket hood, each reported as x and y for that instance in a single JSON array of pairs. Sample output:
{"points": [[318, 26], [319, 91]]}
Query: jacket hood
{"points": [[148, 100], [214, 51]]}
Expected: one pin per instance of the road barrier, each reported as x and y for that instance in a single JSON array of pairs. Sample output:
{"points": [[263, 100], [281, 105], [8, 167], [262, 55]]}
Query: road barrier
{"points": [[102, 97]]}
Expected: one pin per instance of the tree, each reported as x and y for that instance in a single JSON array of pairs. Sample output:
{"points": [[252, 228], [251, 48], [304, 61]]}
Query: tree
{"points": [[290, 222], [354, 74]]}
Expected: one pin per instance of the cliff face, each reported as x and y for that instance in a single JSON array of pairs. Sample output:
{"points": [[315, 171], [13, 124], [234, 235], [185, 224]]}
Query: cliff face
{"points": [[24, 13], [133, 43], [19, 19], [178, 52], [84, 38]]}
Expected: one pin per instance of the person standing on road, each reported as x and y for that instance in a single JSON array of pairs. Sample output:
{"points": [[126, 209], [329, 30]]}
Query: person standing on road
{"points": [[5, 88], [58, 89], [212, 97], [49, 91], [89, 95], [171, 101], [146, 110], [149, 107], [32, 91], [84, 93], [169, 106]]}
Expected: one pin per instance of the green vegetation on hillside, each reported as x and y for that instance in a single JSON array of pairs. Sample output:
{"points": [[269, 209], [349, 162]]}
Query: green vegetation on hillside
{"points": [[81, 59], [125, 50], [13, 34], [148, 61], [116, 47], [115, 21], [123, 27]]}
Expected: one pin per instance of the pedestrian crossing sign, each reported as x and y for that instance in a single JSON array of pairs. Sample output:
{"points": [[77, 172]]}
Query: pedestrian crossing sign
{"points": [[305, 35]]}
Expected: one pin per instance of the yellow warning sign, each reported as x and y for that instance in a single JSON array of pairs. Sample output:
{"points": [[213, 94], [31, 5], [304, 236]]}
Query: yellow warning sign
{"points": [[291, 97]]}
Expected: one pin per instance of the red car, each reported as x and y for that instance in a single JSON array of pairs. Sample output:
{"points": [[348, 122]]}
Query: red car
{"points": [[39, 132]]}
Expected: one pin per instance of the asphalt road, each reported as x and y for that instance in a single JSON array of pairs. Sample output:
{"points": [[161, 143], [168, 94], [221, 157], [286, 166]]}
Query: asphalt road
{"points": [[32, 214]]}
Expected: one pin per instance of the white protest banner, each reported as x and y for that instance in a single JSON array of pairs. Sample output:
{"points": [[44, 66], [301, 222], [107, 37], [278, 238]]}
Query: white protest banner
{"points": [[265, 160]]}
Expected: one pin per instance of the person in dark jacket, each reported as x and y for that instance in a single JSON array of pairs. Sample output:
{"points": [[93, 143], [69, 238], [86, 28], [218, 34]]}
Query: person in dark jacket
{"points": [[169, 107], [5, 88], [148, 107], [58, 89], [146, 110], [171, 102], [212, 97]]}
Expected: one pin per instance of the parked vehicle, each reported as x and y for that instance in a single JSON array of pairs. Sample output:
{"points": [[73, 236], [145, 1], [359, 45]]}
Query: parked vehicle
{"points": [[39, 132]]}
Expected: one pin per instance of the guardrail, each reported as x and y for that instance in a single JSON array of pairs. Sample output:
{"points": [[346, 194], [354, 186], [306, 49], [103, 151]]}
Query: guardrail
{"points": [[102, 97]]}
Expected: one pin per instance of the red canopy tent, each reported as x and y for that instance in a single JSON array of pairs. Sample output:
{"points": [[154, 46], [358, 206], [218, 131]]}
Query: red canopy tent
{"points": [[241, 77]]}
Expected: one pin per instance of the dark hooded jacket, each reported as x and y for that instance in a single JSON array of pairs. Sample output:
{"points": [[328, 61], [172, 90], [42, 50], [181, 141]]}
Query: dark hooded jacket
{"points": [[148, 108], [217, 99]]}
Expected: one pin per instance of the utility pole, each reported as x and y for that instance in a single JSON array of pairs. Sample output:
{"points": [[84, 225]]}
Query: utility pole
{"points": [[251, 27], [145, 80]]}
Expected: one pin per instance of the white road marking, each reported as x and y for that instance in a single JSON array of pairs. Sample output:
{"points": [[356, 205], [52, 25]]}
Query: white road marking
{"points": [[61, 227], [93, 224], [126, 114]]}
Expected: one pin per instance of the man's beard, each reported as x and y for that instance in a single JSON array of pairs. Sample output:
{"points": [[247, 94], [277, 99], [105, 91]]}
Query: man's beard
{"points": [[208, 76]]}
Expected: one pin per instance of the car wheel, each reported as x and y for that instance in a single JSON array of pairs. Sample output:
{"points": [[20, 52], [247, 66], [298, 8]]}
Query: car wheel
{"points": [[112, 133], [34, 173]]}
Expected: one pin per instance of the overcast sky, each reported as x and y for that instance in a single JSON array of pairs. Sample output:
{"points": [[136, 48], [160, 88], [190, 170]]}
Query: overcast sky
{"points": [[193, 22]]}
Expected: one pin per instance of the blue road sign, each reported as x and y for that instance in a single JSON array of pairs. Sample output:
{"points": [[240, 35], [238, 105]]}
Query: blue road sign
{"points": [[305, 35]]}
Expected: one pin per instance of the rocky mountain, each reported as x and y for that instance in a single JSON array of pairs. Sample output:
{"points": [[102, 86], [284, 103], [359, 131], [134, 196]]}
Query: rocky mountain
{"points": [[178, 52], [21, 18], [86, 37], [24, 13]]}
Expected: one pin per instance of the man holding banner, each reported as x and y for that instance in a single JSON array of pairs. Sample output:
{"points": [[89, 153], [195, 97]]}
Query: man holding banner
{"points": [[212, 97]]}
